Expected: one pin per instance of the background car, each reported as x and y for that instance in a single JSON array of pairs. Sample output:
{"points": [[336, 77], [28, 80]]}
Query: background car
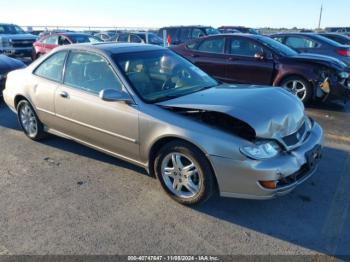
{"points": [[107, 36], [139, 37], [340, 38], [8, 64], [54, 31], [238, 29], [182, 34], [316, 44], [256, 59], [49, 42], [14, 41], [151, 107]]}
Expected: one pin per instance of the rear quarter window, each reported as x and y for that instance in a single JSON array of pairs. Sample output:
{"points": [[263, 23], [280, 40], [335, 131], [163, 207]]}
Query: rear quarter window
{"points": [[52, 67]]}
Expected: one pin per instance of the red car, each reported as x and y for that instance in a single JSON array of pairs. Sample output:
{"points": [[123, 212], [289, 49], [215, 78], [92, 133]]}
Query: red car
{"points": [[49, 42], [260, 60]]}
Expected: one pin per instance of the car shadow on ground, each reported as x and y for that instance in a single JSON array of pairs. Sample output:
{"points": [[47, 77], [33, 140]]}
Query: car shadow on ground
{"points": [[330, 106], [314, 216]]}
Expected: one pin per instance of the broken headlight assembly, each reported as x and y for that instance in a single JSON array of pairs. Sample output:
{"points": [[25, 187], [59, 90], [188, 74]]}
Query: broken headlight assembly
{"points": [[261, 150]]}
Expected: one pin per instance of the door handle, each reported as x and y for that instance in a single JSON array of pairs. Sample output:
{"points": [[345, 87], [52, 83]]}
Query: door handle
{"points": [[230, 59], [64, 94], [194, 55]]}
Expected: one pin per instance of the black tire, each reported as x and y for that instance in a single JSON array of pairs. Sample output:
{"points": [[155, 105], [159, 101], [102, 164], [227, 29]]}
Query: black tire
{"points": [[207, 182], [39, 133], [308, 87]]}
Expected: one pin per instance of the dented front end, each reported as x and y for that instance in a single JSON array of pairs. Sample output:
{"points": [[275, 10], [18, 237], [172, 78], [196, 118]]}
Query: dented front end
{"points": [[273, 122]]}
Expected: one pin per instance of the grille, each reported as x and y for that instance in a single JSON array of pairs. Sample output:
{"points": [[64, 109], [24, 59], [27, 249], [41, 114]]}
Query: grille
{"points": [[21, 43], [296, 137], [294, 177]]}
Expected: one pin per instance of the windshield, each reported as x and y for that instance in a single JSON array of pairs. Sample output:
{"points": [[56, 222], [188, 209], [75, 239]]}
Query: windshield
{"points": [[11, 30], [161, 75], [277, 46], [212, 31], [76, 39]]}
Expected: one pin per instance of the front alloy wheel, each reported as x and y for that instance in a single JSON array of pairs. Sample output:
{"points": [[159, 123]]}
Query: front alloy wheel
{"points": [[184, 173], [299, 87], [180, 175]]}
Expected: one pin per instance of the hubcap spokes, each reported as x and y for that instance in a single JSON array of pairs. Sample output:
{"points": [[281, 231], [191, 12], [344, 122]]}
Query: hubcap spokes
{"points": [[180, 175], [28, 120], [298, 88]]}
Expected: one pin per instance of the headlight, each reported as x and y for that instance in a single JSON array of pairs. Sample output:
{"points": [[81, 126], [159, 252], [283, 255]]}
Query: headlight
{"points": [[261, 150], [344, 75]]}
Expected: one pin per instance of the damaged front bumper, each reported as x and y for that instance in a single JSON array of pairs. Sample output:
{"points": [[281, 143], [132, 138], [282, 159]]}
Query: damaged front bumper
{"points": [[246, 179], [334, 89]]}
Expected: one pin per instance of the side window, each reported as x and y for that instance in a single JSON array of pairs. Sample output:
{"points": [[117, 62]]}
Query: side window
{"points": [[185, 34], [123, 38], [196, 33], [216, 45], [52, 40], [52, 67], [63, 40], [244, 47], [135, 39], [301, 42], [90, 72], [278, 38]]}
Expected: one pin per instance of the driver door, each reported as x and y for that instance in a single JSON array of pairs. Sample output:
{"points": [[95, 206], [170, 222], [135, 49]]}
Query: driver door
{"points": [[83, 115], [242, 65]]}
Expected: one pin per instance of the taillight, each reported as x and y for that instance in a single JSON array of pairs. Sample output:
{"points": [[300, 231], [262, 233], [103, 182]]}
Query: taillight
{"points": [[343, 52]]}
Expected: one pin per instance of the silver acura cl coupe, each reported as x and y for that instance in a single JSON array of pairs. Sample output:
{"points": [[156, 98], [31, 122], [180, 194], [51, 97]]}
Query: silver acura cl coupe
{"points": [[147, 105]]}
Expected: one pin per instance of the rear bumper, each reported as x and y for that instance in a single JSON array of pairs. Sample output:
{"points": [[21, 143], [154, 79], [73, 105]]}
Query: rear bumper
{"points": [[242, 179]]}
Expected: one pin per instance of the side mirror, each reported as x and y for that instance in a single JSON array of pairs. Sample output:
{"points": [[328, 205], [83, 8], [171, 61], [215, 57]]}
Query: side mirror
{"points": [[259, 56], [113, 95]]}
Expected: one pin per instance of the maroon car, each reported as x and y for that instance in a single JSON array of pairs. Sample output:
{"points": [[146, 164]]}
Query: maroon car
{"points": [[49, 42], [256, 59]]}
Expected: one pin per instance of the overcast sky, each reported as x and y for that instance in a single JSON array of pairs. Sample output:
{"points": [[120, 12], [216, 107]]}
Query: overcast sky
{"points": [[156, 13]]}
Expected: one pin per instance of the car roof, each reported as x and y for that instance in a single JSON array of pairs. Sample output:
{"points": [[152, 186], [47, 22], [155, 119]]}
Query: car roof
{"points": [[113, 47], [252, 36], [334, 34], [185, 26]]}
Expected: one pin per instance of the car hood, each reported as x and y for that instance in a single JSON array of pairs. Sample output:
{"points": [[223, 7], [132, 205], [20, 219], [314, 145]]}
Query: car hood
{"points": [[8, 64], [321, 60], [18, 36], [271, 111]]}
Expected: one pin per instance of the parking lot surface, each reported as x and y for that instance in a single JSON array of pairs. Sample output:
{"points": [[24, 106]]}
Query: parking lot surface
{"points": [[59, 197]]}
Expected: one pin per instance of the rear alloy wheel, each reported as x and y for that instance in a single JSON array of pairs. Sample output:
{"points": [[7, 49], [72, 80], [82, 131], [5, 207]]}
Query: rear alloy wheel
{"points": [[184, 173], [298, 86], [29, 121]]}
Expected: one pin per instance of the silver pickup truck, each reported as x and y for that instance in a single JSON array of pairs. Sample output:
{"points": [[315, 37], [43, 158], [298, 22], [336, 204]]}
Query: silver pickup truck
{"points": [[14, 41]]}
